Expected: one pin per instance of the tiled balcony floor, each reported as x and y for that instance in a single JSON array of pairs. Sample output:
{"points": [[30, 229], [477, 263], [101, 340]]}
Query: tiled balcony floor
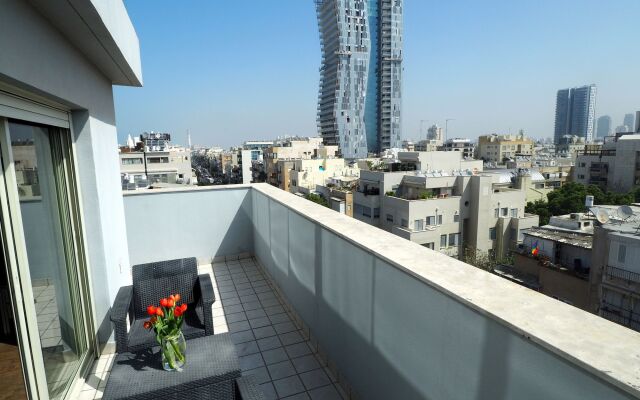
{"points": [[269, 343]]}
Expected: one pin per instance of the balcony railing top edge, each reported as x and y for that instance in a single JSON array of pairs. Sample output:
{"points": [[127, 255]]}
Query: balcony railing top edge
{"points": [[536, 317], [186, 188]]}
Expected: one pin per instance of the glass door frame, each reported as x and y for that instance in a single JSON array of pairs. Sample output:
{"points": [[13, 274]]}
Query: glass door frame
{"points": [[12, 235]]}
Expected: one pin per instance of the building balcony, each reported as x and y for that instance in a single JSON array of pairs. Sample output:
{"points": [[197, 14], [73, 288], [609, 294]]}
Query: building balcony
{"points": [[389, 319], [622, 275], [620, 315]]}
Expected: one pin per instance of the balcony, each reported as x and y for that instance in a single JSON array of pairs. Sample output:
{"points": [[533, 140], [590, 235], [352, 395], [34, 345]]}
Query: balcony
{"points": [[620, 274], [620, 315], [389, 318]]}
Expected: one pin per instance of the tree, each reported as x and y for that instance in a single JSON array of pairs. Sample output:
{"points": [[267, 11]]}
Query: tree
{"points": [[316, 198], [482, 259], [570, 199]]}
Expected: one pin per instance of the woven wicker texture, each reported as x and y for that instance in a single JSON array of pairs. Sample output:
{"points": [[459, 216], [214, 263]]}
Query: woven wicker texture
{"points": [[210, 373], [151, 282]]}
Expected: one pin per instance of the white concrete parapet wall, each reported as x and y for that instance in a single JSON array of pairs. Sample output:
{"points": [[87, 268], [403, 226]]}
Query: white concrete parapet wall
{"points": [[402, 321]]}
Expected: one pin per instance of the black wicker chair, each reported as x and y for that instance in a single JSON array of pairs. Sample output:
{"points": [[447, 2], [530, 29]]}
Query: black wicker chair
{"points": [[151, 282]]}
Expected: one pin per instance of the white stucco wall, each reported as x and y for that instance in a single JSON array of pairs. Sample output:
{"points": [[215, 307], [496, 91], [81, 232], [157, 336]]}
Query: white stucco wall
{"points": [[37, 58]]}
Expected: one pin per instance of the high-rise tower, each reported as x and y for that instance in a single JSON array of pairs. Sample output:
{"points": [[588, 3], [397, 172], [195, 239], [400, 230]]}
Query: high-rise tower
{"points": [[575, 112], [604, 126], [360, 96]]}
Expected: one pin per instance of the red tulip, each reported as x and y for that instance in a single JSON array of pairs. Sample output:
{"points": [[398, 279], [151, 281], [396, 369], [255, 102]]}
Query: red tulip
{"points": [[159, 312], [170, 303], [147, 325], [151, 310], [153, 319], [176, 297], [178, 312], [164, 302], [184, 307]]}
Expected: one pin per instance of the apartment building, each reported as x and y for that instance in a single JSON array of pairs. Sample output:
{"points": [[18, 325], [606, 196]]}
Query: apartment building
{"points": [[615, 272], [290, 149], [570, 146], [455, 207], [320, 277], [556, 259], [153, 160], [615, 166], [307, 174], [64, 241], [463, 145], [496, 148]]}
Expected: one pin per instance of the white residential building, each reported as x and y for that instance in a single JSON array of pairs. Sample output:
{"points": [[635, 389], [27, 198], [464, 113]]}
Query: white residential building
{"points": [[448, 209], [615, 166]]}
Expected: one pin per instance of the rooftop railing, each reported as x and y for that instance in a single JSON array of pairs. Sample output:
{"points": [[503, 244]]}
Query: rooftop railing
{"points": [[398, 320], [622, 274]]}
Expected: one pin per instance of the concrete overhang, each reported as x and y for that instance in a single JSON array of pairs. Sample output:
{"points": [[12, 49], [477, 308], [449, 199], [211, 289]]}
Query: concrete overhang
{"points": [[102, 31]]}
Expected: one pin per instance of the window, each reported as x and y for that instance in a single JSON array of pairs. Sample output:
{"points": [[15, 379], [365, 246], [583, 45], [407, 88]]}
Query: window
{"points": [[496, 212], [159, 178], [431, 220], [622, 253], [131, 161], [443, 241], [456, 217], [158, 160], [505, 211], [430, 245], [389, 218], [514, 213], [454, 239], [440, 219], [580, 176], [376, 213], [418, 225], [492, 233], [366, 211]]}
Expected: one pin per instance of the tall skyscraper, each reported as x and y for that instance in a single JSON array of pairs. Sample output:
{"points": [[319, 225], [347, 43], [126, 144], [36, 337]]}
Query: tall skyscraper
{"points": [[604, 126], [575, 112], [630, 122], [360, 96]]}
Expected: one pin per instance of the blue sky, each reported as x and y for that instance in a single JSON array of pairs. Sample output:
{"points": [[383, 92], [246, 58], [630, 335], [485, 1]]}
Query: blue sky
{"points": [[230, 71]]}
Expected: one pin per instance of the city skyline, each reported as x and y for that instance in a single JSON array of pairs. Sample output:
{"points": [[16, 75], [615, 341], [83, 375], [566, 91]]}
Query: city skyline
{"points": [[491, 73]]}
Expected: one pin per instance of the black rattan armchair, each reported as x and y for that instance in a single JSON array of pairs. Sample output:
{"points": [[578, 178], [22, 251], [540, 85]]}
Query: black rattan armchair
{"points": [[151, 282]]}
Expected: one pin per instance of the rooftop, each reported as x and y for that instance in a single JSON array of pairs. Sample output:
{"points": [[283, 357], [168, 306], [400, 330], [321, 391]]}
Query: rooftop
{"points": [[557, 235], [392, 318]]}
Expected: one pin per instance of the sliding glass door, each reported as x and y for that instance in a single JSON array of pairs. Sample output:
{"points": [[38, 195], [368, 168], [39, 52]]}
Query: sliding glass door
{"points": [[41, 199]]}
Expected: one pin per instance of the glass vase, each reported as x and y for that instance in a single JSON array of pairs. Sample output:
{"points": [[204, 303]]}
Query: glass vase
{"points": [[174, 352]]}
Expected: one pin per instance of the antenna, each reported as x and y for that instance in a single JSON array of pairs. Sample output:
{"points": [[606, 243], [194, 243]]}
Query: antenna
{"points": [[602, 216], [624, 212]]}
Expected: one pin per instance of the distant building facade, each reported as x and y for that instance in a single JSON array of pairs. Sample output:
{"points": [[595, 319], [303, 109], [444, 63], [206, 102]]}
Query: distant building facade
{"points": [[614, 166], [444, 203], [556, 259], [604, 126], [575, 112], [463, 145], [153, 160], [615, 272], [630, 122], [496, 148], [359, 105]]}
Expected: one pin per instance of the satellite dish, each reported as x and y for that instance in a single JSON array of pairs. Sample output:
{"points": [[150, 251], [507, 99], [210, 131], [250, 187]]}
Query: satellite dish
{"points": [[602, 216], [625, 212]]}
